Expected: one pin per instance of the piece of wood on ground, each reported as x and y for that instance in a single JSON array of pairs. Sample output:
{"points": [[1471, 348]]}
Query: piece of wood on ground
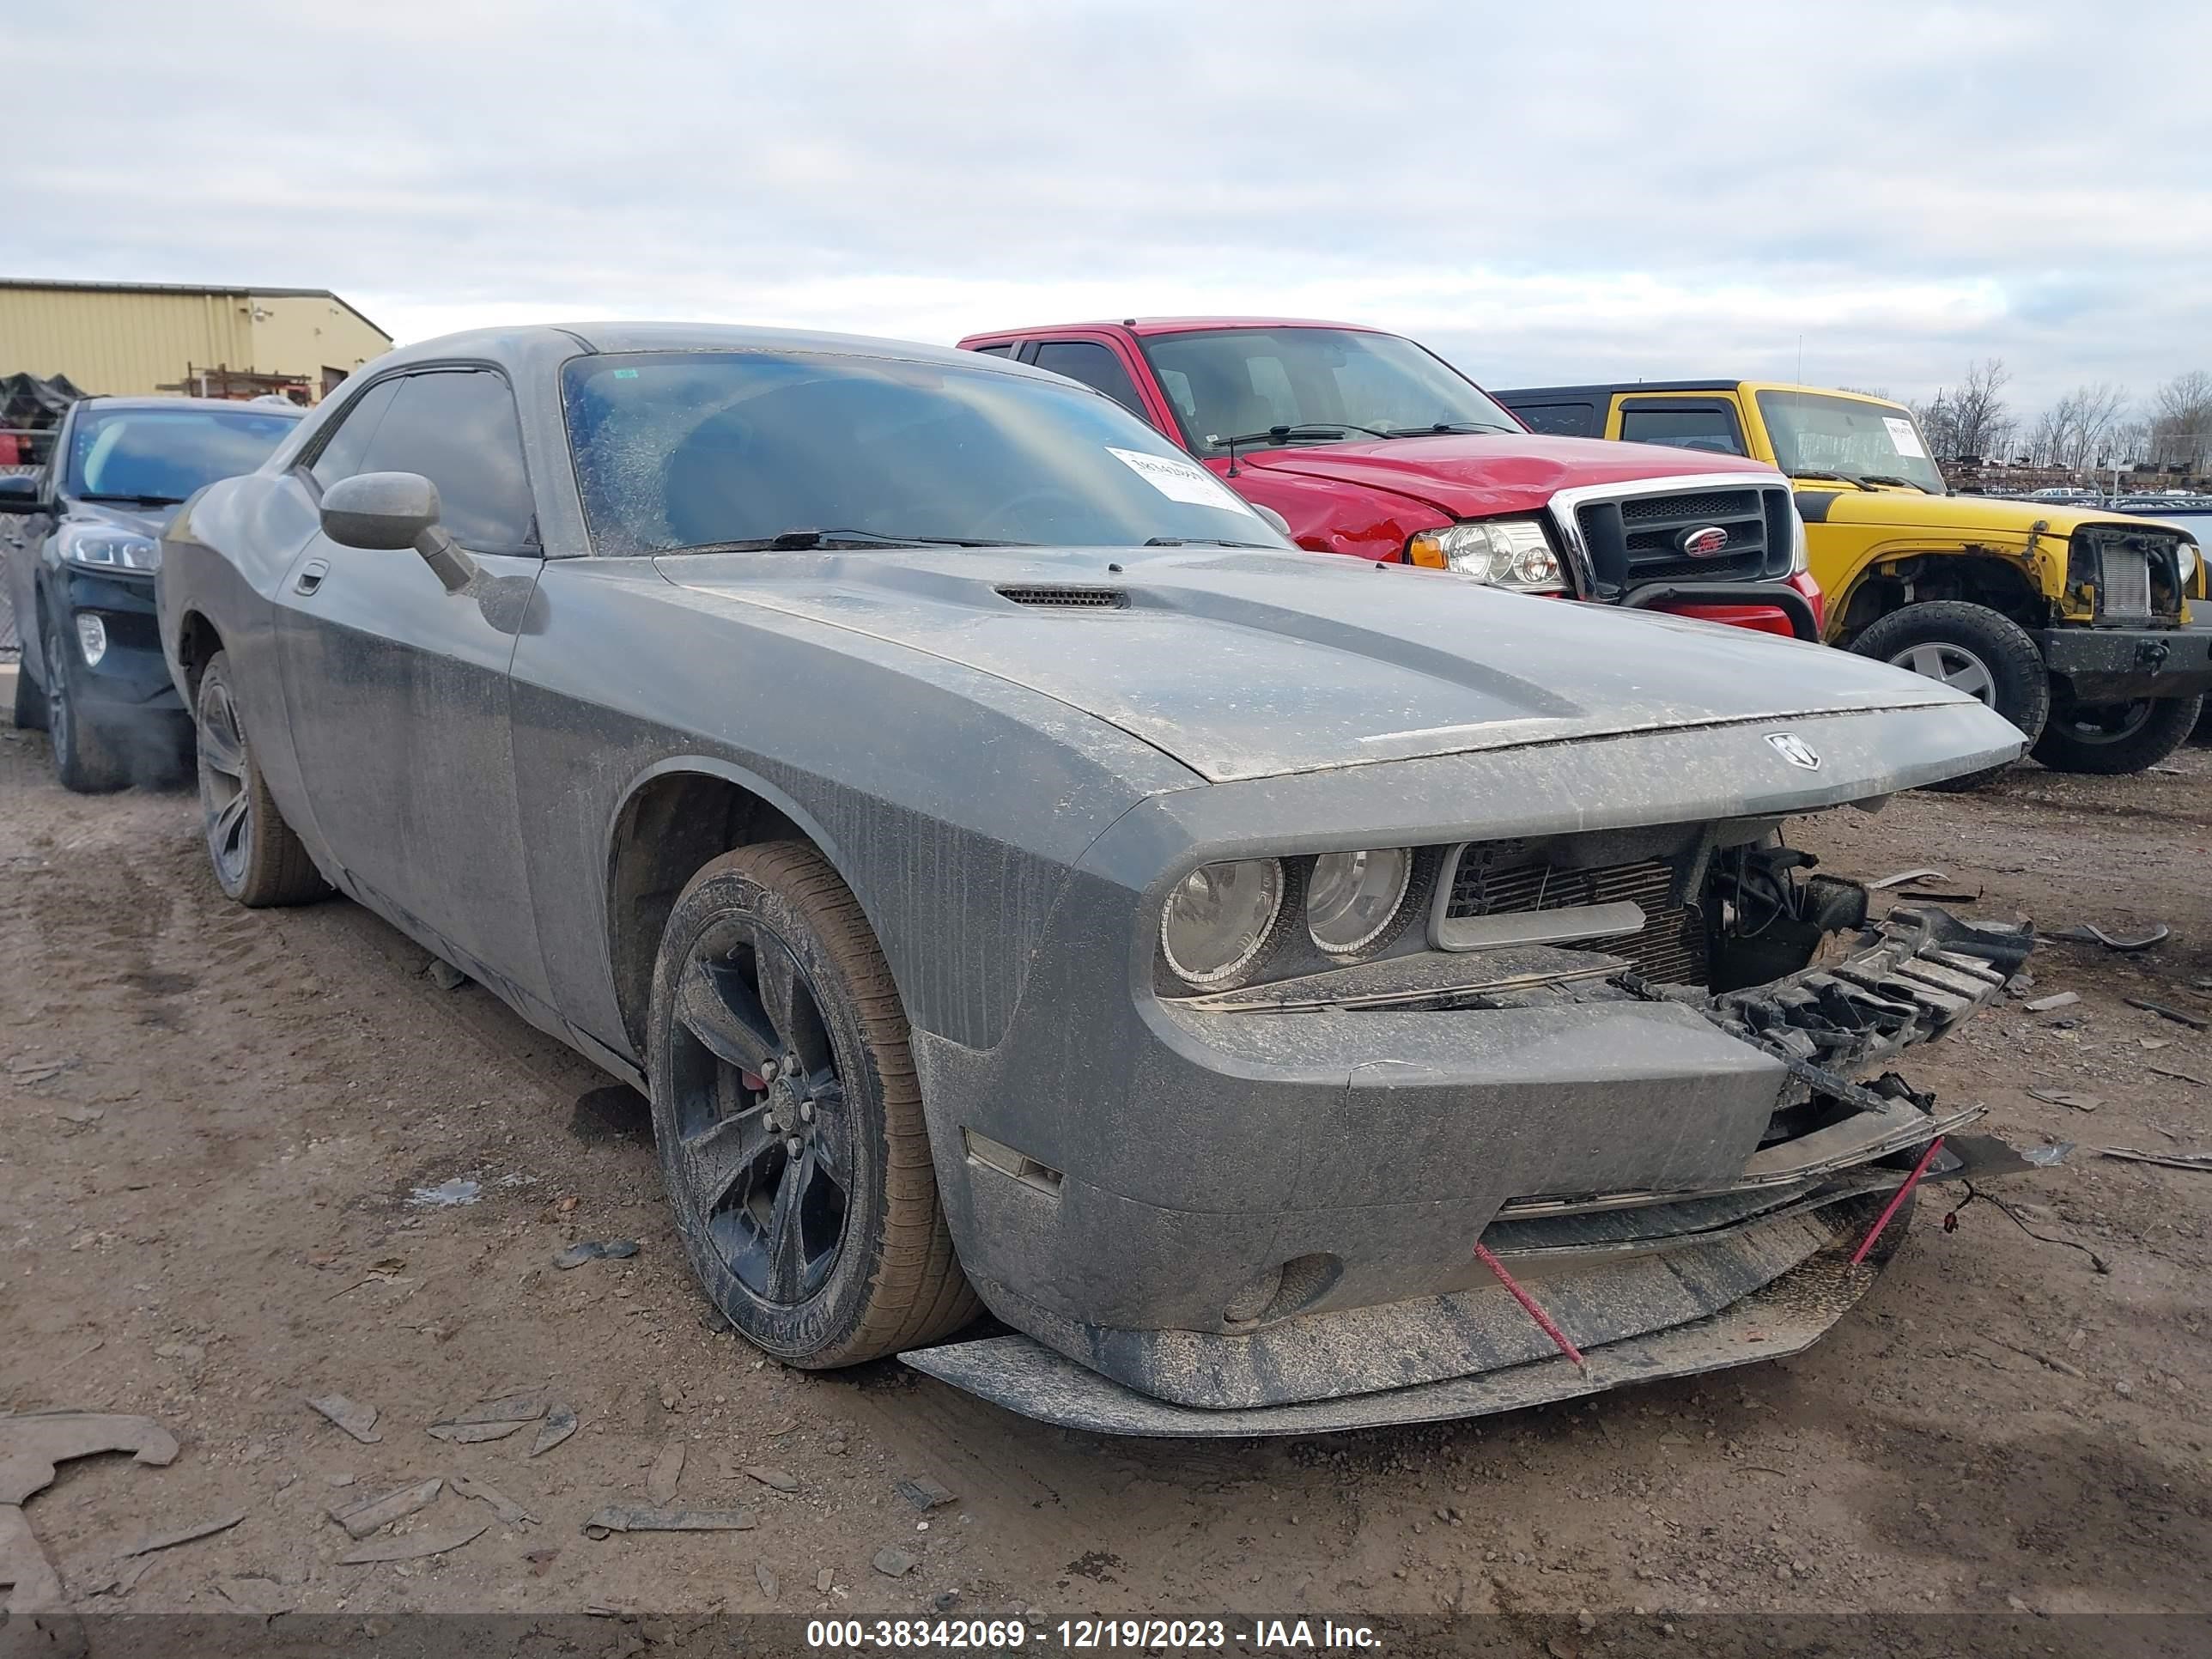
{"points": [[33, 1585], [356, 1419], [2058, 999], [472, 1434], [174, 1535], [32, 1443], [413, 1546], [2169, 1160], [509, 1512], [780, 1479], [667, 1469], [2080, 1103], [626, 1517], [364, 1517], [922, 1492], [2186, 1076], [2194, 1022], [560, 1423]]}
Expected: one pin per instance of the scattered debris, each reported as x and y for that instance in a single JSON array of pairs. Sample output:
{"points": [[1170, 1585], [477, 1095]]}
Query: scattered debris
{"points": [[82, 1115], [595, 1249], [2059, 999], [510, 1513], [448, 1193], [764, 1575], [667, 1469], [560, 1423], [443, 974], [369, 1514], [2048, 1156], [343, 1478], [623, 1517], [2176, 1071], [781, 1479], [412, 1547], [34, 1583], [163, 1540], [922, 1492], [2080, 1103], [2088, 933], [540, 1561], [823, 1580], [893, 1563], [2170, 1160], [2194, 1022], [491, 1419], [32, 1443], [1904, 876], [945, 1600]]}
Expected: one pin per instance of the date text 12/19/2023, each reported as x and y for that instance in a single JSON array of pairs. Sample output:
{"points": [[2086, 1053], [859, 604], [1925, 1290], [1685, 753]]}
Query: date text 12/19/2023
{"points": [[1078, 1634]]}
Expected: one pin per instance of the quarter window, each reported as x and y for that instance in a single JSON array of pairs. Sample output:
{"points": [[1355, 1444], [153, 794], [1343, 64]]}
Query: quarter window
{"points": [[1709, 427], [1097, 367], [456, 428]]}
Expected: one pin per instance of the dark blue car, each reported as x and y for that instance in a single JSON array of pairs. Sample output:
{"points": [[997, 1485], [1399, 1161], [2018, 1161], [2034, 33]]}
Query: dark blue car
{"points": [[83, 540]]}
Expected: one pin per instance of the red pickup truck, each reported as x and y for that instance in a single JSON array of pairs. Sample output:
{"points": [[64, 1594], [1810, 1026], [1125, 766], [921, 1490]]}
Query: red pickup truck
{"points": [[1366, 443]]}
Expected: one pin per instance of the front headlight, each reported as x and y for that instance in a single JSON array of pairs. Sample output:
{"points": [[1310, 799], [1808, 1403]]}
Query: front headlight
{"points": [[1352, 897], [1218, 916], [1511, 553], [2185, 556], [1801, 554], [102, 547]]}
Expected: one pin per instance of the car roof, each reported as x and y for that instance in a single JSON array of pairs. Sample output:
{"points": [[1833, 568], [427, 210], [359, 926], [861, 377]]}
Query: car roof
{"points": [[1144, 325], [150, 401], [1718, 383], [569, 339]]}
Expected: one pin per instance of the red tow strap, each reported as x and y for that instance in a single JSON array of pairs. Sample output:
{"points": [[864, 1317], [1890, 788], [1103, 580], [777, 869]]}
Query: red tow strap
{"points": [[1903, 1193], [1482, 1254]]}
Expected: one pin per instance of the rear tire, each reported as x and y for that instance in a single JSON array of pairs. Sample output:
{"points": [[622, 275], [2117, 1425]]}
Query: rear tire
{"points": [[807, 1200], [85, 757], [2114, 738], [1976, 650], [257, 859]]}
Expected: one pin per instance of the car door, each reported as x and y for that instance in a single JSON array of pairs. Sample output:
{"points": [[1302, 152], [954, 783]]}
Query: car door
{"points": [[397, 688]]}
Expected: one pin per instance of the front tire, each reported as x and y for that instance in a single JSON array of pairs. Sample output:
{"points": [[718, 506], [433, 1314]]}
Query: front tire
{"points": [[257, 859], [85, 757], [788, 1118], [2111, 738], [1971, 648]]}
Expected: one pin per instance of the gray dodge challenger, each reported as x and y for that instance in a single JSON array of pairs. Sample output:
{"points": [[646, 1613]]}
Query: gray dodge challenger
{"points": [[1288, 994]]}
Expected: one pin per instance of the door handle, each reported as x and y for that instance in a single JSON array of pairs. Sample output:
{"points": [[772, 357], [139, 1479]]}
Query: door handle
{"points": [[311, 575]]}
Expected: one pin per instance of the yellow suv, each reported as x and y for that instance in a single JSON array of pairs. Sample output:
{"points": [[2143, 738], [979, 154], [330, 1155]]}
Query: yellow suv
{"points": [[2072, 622]]}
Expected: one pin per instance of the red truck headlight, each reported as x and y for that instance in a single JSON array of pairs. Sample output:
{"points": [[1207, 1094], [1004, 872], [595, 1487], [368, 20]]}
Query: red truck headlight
{"points": [[1511, 553]]}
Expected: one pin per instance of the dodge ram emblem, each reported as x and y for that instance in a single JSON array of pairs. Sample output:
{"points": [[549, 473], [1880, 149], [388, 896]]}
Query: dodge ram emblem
{"points": [[1794, 750], [1702, 543]]}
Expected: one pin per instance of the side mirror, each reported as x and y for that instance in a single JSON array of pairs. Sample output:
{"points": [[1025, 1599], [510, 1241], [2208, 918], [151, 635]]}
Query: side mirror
{"points": [[390, 511], [19, 493]]}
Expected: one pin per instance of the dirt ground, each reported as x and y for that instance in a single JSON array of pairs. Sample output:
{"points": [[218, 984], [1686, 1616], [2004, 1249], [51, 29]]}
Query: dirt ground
{"points": [[211, 1122]]}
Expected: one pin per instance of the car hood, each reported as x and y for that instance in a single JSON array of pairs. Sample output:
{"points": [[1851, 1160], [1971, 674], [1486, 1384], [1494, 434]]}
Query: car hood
{"points": [[1912, 509], [146, 520], [1481, 476], [1247, 664]]}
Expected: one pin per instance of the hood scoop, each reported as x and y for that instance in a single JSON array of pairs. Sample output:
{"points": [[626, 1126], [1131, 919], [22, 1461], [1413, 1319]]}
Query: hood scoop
{"points": [[1068, 598]]}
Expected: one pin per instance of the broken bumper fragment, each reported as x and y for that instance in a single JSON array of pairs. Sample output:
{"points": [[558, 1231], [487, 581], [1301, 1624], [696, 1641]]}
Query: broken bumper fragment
{"points": [[1654, 1280]]}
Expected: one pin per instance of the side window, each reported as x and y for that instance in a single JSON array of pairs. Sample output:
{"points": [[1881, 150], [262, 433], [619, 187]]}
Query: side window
{"points": [[1096, 368], [1559, 420], [356, 424], [1006, 350], [1710, 427], [457, 427]]}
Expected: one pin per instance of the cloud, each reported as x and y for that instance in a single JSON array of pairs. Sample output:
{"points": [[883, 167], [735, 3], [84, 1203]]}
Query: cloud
{"points": [[1544, 193]]}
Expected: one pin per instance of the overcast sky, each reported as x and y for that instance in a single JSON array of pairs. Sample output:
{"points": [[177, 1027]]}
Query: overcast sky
{"points": [[1543, 192]]}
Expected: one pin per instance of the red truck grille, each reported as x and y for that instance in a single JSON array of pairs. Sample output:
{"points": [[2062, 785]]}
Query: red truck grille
{"points": [[1639, 538]]}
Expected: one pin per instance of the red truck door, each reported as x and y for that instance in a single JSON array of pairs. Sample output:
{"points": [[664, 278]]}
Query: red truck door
{"points": [[1098, 364]]}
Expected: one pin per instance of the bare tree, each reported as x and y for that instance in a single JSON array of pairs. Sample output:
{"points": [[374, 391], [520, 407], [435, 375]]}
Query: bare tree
{"points": [[2181, 423], [2079, 430], [1972, 417]]}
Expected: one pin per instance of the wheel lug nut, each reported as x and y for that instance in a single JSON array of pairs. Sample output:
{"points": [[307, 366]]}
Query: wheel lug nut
{"points": [[767, 1071], [806, 1111]]}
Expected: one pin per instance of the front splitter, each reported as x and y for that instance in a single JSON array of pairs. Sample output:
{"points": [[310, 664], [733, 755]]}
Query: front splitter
{"points": [[1784, 1316]]}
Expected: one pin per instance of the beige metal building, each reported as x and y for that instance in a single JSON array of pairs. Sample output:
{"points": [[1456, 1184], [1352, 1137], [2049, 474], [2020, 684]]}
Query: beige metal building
{"points": [[138, 337]]}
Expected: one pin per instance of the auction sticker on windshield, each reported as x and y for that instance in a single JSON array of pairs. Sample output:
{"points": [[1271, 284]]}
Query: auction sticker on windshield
{"points": [[1904, 437], [1179, 480]]}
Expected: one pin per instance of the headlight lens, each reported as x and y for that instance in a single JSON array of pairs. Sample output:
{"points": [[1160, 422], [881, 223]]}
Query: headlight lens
{"points": [[99, 548], [1350, 898], [91, 637], [1218, 916], [2187, 558], [1511, 553]]}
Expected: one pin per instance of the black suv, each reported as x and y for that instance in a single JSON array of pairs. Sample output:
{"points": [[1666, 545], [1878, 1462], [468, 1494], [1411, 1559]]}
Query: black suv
{"points": [[81, 540]]}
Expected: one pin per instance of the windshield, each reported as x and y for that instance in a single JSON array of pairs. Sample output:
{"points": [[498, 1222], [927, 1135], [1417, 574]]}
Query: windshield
{"points": [[1326, 385], [156, 456], [701, 449], [1851, 437]]}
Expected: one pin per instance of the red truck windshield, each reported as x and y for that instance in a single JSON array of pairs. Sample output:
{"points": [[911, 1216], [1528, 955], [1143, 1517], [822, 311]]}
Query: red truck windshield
{"points": [[1323, 384]]}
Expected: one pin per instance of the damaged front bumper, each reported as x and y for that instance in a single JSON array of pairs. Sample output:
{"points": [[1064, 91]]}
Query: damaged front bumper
{"points": [[1647, 1281]]}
